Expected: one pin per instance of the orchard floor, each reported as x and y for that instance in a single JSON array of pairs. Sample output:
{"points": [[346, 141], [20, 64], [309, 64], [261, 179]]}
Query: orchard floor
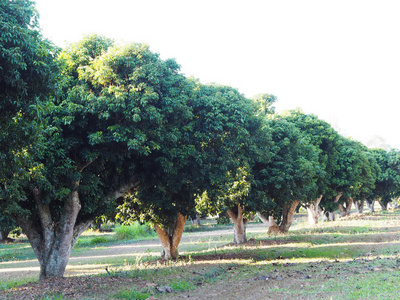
{"points": [[351, 258]]}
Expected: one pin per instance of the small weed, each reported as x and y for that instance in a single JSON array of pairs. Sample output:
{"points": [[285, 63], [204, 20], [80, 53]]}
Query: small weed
{"points": [[99, 240], [53, 296], [133, 294]]}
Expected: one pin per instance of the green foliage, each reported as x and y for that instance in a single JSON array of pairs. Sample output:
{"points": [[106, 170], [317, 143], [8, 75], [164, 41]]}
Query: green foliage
{"points": [[28, 76], [6, 225], [121, 108], [223, 219], [388, 175], [234, 139], [210, 162], [321, 135], [292, 172], [355, 176]]}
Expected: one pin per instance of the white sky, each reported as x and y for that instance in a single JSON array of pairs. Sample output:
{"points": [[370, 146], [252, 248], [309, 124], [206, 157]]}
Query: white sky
{"points": [[337, 59]]}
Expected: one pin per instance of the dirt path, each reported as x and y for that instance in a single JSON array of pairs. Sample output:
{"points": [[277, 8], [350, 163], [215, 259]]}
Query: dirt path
{"points": [[85, 262]]}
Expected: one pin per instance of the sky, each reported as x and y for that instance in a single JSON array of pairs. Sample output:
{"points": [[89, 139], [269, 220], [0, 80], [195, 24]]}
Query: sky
{"points": [[339, 60]]}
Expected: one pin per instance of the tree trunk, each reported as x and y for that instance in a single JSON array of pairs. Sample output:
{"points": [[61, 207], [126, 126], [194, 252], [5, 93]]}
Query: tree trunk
{"points": [[330, 216], [370, 205], [288, 213], [4, 234], [263, 219], [395, 203], [239, 226], [345, 209], [270, 223], [313, 211], [383, 205], [171, 237], [197, 220], [52, 241], [359, 205], [273, 227]]}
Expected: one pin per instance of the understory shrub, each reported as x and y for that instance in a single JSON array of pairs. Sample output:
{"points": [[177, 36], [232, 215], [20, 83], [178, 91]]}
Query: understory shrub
{"points": [[134, 231]]}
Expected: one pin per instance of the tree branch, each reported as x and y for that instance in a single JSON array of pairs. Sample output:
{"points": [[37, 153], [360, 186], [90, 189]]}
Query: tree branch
{"points": [[123, 188]]}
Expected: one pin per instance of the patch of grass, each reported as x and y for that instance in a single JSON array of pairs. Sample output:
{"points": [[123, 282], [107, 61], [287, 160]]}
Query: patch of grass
{"points": [[94, 239], [134, 231], [206, 227], [99, 240], [133, 294], [13, 284], [382, 285], [17, 251], [182, 285]]}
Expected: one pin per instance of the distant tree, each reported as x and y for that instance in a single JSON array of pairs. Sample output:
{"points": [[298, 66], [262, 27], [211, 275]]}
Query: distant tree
{"points": [[239, 139], [387, 185], [290, 176], [354, 178], [325, 139]]}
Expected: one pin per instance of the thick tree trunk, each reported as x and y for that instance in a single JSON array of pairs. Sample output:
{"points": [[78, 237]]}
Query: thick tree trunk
{"points": [[53, 241], [287, 217], [370, 205], [171, 237], [313, 211], [346, 207], [359, 205], [239, 226]]}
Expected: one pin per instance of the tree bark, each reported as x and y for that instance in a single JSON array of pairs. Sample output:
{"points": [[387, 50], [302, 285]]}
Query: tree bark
{"points": [[346, 207], [370, 205], [313, 211], [197, 220], [263, 219], [270, 223], [383, 206], [171, 237], [52, 241], [239, 226], [395, 203], [4, 234], [273, 227], [330, 216], [287, 217], [359, 205]]}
